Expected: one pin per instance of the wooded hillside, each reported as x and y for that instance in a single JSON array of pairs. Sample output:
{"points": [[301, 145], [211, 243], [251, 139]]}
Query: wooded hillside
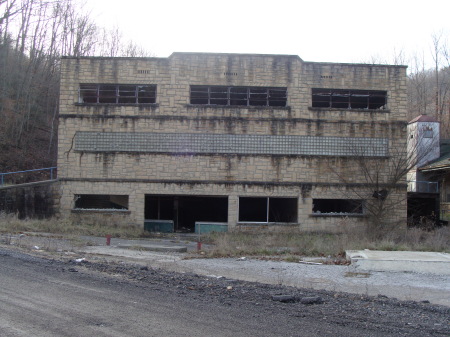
{"points": [[34, 34]]}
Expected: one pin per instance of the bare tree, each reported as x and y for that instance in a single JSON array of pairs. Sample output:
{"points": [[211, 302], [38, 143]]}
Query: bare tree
{"points": [[437, 48], [8, 8], [429, 88], [29, 73], [419, 88], [131, 49], [381, 181], [34, 34], [112, 44], [111, 40]]}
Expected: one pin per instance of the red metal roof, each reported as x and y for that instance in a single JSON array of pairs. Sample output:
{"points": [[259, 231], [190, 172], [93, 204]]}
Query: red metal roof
{"points": [[423, 118]]}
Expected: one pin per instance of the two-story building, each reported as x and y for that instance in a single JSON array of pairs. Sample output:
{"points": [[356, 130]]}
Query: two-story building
{"points": [[229, 140]]}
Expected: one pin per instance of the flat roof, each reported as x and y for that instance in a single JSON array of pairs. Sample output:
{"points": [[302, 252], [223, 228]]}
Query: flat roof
{"points": [[175, 54]]}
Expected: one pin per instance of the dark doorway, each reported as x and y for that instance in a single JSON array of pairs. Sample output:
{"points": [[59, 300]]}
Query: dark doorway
{"points": [[423, 210]]}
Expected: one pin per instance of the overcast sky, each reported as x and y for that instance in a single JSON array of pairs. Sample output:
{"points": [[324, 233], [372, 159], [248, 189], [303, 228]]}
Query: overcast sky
{"points": [[323, 30]]}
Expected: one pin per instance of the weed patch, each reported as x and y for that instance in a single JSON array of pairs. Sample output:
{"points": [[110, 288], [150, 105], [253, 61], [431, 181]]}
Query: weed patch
{"points": [[9, 223], [285, 245], [291, 245]]}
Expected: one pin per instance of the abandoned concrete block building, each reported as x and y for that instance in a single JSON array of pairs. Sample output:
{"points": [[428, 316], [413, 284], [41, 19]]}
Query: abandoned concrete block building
{"points": [[200, 141]]}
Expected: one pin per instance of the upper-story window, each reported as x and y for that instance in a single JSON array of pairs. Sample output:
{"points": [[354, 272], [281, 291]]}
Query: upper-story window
{"points": [[349, 99], [117, 93], [246, 96]]}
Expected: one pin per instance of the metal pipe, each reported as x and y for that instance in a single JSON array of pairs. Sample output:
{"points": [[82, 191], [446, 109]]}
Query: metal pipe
{"points": [[51, 169], [42, 169]]}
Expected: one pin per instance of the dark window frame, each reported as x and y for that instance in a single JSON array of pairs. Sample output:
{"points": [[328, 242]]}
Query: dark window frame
{"points": [[349, 99], [338, 207], [269, 212], [104, 93], [101, 202], [238, 96]]}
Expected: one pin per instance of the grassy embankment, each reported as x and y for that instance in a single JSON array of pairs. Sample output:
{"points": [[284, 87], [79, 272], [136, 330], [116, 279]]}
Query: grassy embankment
{"points": [[286, 245]]}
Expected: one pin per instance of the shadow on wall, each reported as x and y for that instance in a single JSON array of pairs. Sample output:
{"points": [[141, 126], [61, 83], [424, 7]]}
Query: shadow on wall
{"points": [[32, 202]]}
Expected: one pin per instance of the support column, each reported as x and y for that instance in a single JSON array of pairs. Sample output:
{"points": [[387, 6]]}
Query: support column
{"points": [[233, 204]]}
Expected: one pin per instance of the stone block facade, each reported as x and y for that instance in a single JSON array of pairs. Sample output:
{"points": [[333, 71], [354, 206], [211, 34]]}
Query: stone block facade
{"points": [[249, 140]]}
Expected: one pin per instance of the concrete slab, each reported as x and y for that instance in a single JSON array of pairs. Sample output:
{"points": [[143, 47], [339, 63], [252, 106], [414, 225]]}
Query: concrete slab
{"points": [[155, 245], [404, 286], [155, 248], [401, 261], [158, 258]]}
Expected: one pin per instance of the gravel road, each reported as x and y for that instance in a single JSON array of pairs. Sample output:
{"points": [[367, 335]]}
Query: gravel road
{"points": [[404, 286], [45, 297]]}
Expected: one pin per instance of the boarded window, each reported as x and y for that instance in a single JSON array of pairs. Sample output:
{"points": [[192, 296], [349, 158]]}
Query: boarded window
{"points": [[337, 206], [349, 99], [238, 96], [262, 209], [117, 94], [101, 201]]}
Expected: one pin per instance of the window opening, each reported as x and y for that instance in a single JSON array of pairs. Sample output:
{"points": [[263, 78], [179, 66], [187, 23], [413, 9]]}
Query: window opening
{"points": [[253, 209], [186, 210], [243, 96], [282, 209], [101, 201], [263, 209], [349, 99], [117, 94], [337, 206], [427, 133]]}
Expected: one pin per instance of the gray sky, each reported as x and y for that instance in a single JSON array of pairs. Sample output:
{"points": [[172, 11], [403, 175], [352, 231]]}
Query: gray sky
{"points": [[325, 30]]}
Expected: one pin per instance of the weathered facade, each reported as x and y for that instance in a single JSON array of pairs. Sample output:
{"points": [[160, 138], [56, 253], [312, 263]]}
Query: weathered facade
{"points": [[230, 140]]}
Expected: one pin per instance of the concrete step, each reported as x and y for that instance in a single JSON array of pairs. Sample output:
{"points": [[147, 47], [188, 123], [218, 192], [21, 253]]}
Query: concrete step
{"points": [[401, 261]]}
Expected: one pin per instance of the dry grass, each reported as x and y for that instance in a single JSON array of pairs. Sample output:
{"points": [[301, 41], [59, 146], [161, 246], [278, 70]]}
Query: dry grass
{"points": [[322, 244], [288, 245], [238, 244], [94, 226]]}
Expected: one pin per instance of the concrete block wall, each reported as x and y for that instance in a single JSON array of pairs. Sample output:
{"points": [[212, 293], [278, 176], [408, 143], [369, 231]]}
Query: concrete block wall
{"points": [[39, 200], [138, 174]]}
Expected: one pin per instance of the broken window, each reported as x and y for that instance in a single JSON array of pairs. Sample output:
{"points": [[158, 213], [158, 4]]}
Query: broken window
{"points": [[101, 201], [349, 99], [337, 206], [117, 93], [242, 96], [262, 209]]}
